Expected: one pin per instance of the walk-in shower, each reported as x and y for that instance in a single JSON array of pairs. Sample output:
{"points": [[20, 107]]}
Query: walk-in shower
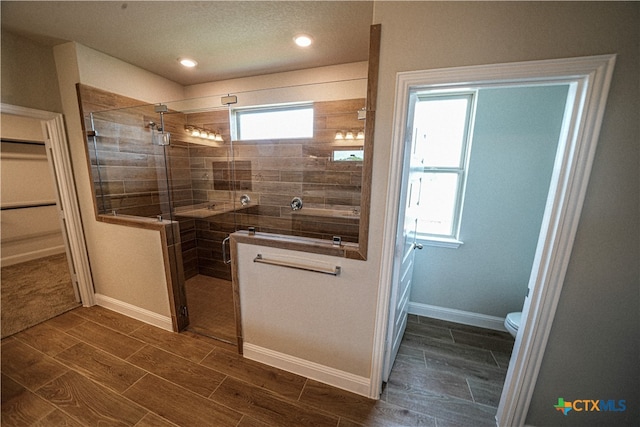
{"points": [[186, 161]]}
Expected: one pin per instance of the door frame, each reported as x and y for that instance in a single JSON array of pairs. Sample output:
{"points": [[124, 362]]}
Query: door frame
{"points": [[590, 78], [54, 134]]}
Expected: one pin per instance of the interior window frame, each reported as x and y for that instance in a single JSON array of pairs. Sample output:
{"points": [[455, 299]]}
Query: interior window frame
{"points": [[452, 240], [237, 113]]}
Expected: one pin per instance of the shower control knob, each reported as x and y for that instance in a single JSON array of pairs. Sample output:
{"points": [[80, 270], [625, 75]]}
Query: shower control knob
{"points": [[296, 203]]}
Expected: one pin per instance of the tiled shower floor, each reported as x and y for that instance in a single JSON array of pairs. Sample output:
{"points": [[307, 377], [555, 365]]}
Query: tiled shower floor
{"points": [[210, 303]]}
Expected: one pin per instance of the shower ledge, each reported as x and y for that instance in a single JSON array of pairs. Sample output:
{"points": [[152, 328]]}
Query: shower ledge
{"points": [[203, 210], [334, 213]]}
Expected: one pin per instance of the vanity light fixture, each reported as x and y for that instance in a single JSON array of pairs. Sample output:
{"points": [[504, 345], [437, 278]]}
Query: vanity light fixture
{"points": [[350, 135], [203, 133], [303, 40], [188, 62]]}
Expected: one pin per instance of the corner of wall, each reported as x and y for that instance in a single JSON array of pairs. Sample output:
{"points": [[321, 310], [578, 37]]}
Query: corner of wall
{"points": [[114, 75], [121, 272]]}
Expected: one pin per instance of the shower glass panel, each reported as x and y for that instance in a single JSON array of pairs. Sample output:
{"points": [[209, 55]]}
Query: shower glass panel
{"points": [[213, 184], [130, 172]]}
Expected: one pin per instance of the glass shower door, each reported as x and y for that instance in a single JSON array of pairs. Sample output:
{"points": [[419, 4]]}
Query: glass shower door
{"points": [[204, 202], [130, 156]]}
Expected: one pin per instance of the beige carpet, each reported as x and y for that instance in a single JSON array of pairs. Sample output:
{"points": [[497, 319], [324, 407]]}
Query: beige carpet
{"points": [[210, 303], [35, 291]]}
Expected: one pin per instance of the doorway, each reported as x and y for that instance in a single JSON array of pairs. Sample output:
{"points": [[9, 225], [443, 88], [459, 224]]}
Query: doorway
{"points": [[44, 263], [588, 79]]}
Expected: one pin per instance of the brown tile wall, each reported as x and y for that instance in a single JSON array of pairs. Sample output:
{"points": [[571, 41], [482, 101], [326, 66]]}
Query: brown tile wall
{"points": [[271, 172]]}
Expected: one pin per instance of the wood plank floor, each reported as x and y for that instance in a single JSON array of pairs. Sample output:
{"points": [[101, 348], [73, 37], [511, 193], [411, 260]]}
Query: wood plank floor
{"points": [[93, 367]]}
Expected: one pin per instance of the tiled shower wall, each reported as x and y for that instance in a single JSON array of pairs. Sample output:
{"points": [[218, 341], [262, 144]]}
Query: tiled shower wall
{"points": [[128, 171], [270, 172]]}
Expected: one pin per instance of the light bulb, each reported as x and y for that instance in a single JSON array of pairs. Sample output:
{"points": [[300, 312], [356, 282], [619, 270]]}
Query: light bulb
{"points": [[303, 40], [186, 62]]}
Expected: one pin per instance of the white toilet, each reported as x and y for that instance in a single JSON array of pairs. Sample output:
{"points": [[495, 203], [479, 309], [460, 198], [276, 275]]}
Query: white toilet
{"points": [[512, 322]]}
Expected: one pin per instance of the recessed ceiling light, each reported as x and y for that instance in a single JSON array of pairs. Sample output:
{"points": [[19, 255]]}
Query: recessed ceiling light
{"points": [[186, 62], [303, 40]]}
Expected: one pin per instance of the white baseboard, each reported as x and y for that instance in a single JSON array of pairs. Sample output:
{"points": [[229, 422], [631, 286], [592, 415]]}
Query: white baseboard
{"points": [[457, 316], [30, 256], [134, 312], [325, 374]]}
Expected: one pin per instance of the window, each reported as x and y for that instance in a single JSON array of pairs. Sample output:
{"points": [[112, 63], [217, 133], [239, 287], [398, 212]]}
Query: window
{"points": [[442, 126], [274, 122], [348, 155]]}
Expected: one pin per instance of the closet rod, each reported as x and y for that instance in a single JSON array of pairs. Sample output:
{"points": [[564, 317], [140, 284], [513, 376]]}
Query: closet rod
{"points": [[15, 141], [27, 206]]}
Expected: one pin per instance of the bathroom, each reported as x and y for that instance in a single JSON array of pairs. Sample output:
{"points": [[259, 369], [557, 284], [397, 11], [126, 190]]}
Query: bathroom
{"points": [[486, 274], [214, 184], [600, 288]]}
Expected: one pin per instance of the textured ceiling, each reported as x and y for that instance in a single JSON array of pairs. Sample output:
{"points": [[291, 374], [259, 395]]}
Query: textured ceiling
{"points": [[229, 39]]}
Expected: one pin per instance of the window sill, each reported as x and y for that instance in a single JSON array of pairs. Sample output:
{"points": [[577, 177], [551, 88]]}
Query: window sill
{"points": [[440, 242]]}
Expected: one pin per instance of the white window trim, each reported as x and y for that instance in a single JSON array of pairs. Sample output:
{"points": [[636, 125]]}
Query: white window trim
{"points": [[452, 240], [440, 242]]}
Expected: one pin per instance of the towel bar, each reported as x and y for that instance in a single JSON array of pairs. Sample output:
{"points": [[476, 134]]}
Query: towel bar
{"points": [[334, 272]]}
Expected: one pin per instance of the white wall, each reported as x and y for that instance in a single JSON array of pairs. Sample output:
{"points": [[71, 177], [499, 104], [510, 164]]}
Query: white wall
{"points": [[513, 149], [317, 318], [28, 74], [593, 348], [127, 263], [345, 81]]}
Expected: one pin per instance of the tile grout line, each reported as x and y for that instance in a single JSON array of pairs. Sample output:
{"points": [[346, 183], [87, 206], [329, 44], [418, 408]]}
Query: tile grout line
{"points": [[302, 389], [473, 399], [203, 359], [157, 415], [41, 419], [217, 387], [40, 351], [128, 334], [495, 359]]}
